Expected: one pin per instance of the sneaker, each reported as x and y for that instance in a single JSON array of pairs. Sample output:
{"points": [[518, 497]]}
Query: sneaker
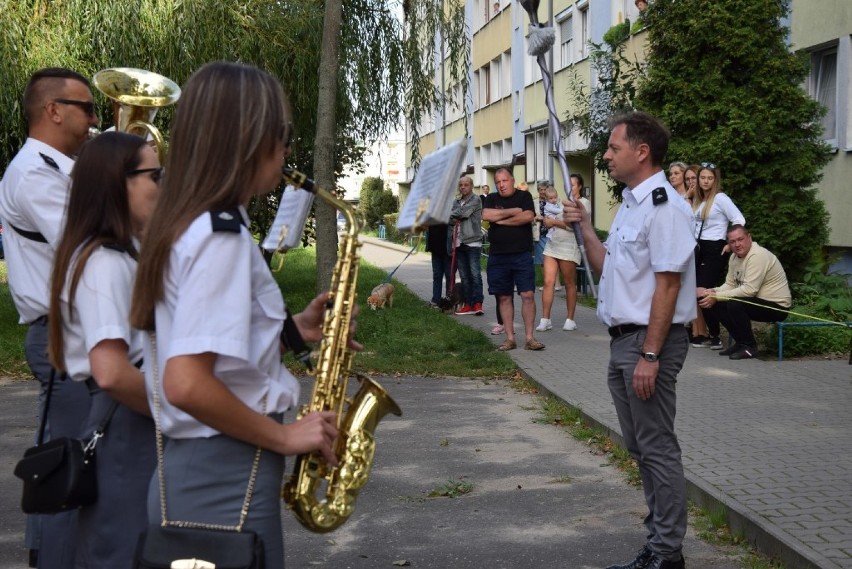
{"points": [[465, 310], [733, 348], [497, 330], [477, 309], [569, 325], [744, 353], [716, 343], [544, 325], [700, 341], [557, 287]]}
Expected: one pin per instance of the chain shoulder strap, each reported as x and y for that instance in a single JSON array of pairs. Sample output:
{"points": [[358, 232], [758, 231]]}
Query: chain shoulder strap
{"points": [[161, 475]]}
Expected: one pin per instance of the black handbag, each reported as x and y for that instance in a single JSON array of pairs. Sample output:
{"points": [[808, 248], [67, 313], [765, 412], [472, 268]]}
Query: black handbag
{"points": [[194, 545], [160, 547], [59, 475]]}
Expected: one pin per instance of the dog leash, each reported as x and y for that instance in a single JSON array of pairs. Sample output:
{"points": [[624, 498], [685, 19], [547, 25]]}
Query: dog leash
{"points": [[413, 248]]}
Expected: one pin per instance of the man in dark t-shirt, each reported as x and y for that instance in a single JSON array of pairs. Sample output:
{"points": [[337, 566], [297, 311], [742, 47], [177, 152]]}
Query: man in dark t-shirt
{"points": [[510, 213]]}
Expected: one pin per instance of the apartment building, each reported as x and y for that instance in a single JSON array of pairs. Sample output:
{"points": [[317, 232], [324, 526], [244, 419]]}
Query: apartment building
{"points": [[508, 120]]}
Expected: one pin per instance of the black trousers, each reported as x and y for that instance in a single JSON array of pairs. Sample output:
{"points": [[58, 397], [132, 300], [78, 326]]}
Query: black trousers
{"points": [[710, 268], [737, 317]]}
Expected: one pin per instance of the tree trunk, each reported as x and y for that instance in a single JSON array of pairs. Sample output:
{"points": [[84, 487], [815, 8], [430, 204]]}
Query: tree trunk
{"points": [[326, 216]]}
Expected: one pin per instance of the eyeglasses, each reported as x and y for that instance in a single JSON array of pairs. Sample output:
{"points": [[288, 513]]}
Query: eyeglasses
{"points": [[156, 173], [708, 165], [87, 106]]}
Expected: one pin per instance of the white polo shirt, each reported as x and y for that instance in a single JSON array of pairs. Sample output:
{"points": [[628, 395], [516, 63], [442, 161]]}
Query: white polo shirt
{"points": [[220, 297], [645, 239], [101, 310], [33, 197]]}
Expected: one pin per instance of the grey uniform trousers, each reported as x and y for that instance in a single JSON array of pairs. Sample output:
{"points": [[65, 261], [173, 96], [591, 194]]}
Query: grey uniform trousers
{"points": [[648, 431]]}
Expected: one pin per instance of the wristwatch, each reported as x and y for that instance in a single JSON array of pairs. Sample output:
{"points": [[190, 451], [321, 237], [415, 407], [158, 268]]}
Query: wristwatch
{"points": [[650, 356]]}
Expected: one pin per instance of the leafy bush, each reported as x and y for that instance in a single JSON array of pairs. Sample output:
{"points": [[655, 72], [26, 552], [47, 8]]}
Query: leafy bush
{"points": [[824, 297]]}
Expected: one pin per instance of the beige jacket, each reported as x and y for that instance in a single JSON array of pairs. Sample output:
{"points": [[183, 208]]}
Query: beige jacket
{"points": [[759, 274]]}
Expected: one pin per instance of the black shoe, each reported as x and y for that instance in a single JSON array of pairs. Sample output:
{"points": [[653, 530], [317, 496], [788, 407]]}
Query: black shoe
{"points": [[733, 348], [744, 353], [700, 341], [715, 343], [641, 562], [657, 563]]}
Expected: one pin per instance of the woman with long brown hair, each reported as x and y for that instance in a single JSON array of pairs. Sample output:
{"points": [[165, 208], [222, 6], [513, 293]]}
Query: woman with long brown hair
{"points": [[714, 212], [114, 186], [203, 284]]}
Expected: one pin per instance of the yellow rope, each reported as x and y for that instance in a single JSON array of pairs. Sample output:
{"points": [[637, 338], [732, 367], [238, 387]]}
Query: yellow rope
{"points": [[744, 301]]}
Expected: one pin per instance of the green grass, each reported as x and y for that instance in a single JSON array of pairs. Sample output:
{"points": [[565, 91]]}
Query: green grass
{"points": [[406, 339], [12, 363], [711, 525], [556, 412], [452, 489]]}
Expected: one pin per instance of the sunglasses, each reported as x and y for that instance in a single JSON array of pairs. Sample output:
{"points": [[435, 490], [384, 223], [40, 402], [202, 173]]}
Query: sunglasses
{"points": [[87, 106], [156, 173], [708, 165]]}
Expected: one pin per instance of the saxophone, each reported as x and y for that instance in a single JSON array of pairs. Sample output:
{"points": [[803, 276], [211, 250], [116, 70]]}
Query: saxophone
{"points": [[356, 417]]}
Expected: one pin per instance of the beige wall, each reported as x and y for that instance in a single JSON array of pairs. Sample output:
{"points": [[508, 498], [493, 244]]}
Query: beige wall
{"points": [[493, 39], [816, 21], [493, 123], [814, 24]]}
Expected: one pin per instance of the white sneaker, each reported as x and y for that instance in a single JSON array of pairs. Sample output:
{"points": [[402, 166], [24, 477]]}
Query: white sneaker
{"points": [[569, 325], [544, 325], [557, 287]]}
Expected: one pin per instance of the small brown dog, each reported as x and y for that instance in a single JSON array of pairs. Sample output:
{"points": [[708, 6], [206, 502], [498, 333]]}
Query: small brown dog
{"points": [[381, 295]]}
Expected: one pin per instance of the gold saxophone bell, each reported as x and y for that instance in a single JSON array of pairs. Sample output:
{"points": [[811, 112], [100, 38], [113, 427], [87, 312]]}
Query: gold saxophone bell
{"points": [[138, 94]]}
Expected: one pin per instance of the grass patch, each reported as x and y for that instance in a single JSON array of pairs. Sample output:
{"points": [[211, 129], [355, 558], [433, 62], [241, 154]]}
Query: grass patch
{"points": [[452, 489], [711, 525], [408, 339], [555, 411], [12, 363]]}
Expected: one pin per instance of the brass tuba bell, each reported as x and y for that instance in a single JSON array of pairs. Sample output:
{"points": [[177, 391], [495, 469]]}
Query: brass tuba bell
{"points": [[138, 95]]}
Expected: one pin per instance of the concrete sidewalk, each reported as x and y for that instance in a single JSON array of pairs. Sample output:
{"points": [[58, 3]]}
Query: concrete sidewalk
{"points": [[768, 440]]}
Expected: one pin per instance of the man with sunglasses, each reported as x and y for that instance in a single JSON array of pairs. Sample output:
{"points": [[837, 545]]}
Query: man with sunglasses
{"points": [[59, 110]]}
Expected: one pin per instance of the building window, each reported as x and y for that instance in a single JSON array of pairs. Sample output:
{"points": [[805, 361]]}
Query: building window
{"points": [[538, 154], [495, 79], [566, 42], [823, 87], [485, 86], [584, 31], [532, 72]]}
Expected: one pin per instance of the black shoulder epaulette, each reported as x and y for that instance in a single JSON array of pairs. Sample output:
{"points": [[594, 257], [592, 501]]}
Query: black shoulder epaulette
{"points": [[49, 161], [659, 196], [115, 247], [226, 220]]}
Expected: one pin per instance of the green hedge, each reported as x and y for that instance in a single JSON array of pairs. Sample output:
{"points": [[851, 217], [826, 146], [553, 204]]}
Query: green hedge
{"points": [[806, 340]]}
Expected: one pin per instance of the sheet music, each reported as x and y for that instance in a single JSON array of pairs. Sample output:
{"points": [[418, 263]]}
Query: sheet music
{"points": [[435, 185], [286, 231]]}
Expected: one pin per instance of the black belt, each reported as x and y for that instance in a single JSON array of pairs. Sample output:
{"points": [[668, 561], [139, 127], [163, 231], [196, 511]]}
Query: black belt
{"points": [[621, 330]]}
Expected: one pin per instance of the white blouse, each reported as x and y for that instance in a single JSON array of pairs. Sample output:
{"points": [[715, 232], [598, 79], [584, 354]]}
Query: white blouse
{"points": [[220, 297], [101, 310], [722, 214]]}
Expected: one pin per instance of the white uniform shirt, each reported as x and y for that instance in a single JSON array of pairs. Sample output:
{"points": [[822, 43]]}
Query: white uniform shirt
{"points": [[101, 310], [647, 239], [722, 214], [33, 197], [220, 297]]}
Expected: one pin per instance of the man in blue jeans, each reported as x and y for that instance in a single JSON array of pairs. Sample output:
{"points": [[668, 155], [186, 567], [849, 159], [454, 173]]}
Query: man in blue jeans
{"points": [[466, 218], [510, 213]]}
